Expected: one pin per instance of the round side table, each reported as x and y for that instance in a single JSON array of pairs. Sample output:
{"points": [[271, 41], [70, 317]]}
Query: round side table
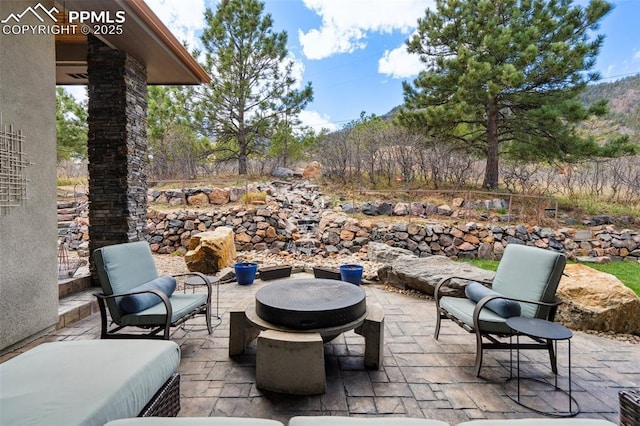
{"points": [[195, 280], [552, 332]]}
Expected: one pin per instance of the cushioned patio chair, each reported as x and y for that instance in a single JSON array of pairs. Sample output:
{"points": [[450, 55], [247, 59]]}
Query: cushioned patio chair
{"points": [[137, 297], [525, 285]]}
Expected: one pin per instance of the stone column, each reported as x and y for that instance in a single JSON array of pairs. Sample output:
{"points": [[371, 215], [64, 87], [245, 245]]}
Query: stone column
{"points": [[117, 146]]}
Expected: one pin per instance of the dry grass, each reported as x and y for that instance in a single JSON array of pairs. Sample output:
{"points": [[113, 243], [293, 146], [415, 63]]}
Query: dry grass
{"points": [[219, 180], [250, 197]]}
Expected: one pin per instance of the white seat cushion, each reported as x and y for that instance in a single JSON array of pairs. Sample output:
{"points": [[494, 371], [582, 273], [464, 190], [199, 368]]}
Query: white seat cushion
{"points": [[84, 382]]}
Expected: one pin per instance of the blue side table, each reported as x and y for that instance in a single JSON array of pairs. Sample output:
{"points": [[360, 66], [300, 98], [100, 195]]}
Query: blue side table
{"points": [[552, 332]]}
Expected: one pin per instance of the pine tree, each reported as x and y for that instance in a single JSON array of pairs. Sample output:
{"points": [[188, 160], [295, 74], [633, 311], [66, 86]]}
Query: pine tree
{"points": [[502, 77], [175, 149], [71, 127], [252, 86]]}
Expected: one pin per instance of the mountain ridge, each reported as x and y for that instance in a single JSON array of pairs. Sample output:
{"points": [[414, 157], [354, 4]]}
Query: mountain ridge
{"points": [[623, 99]]}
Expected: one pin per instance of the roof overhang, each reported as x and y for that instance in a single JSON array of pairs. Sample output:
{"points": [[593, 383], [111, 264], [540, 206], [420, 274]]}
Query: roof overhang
{"points": [[143, 36]]}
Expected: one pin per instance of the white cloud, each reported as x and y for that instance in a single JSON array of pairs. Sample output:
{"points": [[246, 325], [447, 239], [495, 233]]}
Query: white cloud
{"points": [[297, 70], [398, 63], [609, 71], [316, 121], [345, 23], [319, 44], [185, 18]]}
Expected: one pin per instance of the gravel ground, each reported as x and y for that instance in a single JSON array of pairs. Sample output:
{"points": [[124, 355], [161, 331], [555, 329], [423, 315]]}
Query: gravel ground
{"points": [[170, 264]]}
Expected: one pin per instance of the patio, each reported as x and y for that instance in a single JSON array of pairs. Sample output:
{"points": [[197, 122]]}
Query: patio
{"points": [[421, 377]]}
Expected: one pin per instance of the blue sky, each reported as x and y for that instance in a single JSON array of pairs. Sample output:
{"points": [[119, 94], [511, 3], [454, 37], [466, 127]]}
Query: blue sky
{"points": [[353, 50]]}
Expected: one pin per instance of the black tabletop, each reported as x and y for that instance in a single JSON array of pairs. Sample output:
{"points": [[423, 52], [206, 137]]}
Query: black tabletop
{"points": [[309, 303], [539, 328]]}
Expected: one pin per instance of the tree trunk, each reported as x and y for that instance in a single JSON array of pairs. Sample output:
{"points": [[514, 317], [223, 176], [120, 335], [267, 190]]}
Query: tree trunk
{"points": [[491, 168], [242, 155], [285, 151], [242, 164]]}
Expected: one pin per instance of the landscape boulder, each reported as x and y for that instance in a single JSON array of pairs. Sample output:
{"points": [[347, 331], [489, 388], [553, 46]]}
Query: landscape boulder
{"points": [[370, 209], [383, 253], [200, 199], [219, 196], [211, 251], [594, 300], [236, 193], [312, 170], [424, 273], [282, 172]]}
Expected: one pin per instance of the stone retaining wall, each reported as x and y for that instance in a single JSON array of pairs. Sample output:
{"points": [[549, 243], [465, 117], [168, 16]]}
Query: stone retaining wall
{"points": [[272, 227], [296, 217], [268, 228]]}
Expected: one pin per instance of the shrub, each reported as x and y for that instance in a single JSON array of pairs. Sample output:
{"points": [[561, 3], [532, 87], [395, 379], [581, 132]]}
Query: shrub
{"points": [[250, 197]]}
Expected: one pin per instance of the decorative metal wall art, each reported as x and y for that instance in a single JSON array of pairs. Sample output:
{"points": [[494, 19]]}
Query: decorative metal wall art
{"points": [[13, 162]]}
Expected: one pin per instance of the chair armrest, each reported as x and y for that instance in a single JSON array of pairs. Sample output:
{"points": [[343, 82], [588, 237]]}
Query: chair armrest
{"points": [[446, 280], [163, 298], [481, 304]]}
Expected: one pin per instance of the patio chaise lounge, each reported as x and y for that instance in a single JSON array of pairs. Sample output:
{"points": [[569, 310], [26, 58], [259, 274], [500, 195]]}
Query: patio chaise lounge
{"points": [[90, 382], [97, 382], [350, 421]]}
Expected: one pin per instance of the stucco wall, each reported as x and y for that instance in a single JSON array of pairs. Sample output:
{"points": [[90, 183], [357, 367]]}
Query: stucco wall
{"points": [[28, 257]]}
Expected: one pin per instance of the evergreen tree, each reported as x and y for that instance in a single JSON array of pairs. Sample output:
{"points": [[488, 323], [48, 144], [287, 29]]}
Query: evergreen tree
{"points": [[175, 150], [71, 127], [289, 146], [502, 77], [252, 86]]}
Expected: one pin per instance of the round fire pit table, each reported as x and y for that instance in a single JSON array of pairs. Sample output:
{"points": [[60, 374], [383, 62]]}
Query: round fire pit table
{"points": [[292, 319], [310, 304], [295, 317]]}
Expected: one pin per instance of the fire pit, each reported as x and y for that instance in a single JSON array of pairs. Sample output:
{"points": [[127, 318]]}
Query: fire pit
{"points": [[292, 319], [307, 304]]}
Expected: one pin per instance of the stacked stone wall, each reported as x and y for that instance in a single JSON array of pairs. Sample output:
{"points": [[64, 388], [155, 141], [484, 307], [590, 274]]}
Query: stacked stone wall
{"points": [[270, 228], [266, 229], [296, 217]]}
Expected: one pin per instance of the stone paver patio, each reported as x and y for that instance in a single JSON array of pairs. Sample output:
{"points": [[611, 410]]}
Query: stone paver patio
{"points": [[421, 377]]}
